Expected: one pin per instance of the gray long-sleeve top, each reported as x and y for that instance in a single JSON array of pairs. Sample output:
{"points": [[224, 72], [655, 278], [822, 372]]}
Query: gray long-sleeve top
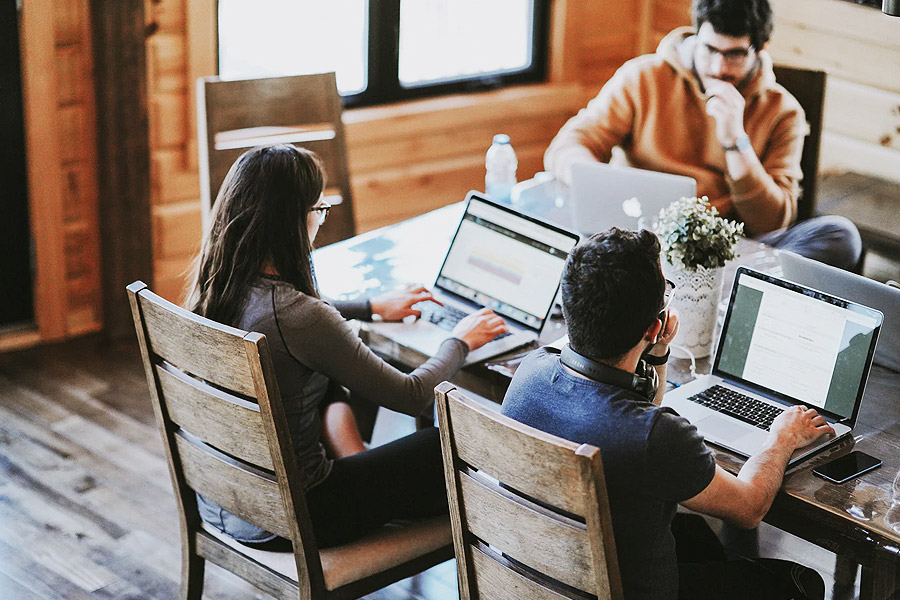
{"points": [[312, 345]]}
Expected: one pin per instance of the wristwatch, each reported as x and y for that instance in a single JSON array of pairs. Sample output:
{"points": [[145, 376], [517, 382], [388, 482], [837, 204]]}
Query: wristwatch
{"points": [[657, 360], [739, 145]]}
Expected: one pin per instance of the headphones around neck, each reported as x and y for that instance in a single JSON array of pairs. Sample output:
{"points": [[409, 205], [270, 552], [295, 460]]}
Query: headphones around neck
{"points": [[644, 381]]}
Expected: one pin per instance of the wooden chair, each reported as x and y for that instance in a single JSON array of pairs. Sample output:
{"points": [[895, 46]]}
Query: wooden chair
{"points": [[545, 531], [224, 430], [304, 110], [808, 87]]}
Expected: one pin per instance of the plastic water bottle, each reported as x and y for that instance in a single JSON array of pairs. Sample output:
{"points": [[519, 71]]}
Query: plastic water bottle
{"points": [[500, 165]]}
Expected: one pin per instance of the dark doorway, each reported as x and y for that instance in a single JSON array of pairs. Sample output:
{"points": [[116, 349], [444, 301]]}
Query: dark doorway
{"points": [[16, 302]]}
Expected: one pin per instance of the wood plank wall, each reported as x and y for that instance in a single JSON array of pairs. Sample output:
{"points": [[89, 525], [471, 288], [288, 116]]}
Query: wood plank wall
{"points": [[859, 48], [61, 148], [76, 132], [405, 158]]}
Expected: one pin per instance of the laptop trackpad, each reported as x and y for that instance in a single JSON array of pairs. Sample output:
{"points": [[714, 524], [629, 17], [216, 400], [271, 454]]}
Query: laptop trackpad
{"points": [[722, 429]]}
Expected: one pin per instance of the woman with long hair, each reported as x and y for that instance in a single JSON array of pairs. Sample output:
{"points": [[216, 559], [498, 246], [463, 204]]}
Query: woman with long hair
{"points": [[255, 272]]}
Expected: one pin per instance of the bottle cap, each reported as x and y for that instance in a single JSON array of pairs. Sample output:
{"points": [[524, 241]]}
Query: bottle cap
{"points": [[501, 138]]}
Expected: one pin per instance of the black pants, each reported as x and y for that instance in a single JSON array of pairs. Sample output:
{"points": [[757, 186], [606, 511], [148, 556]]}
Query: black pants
{"points": [[704, 571], [400, 480]]}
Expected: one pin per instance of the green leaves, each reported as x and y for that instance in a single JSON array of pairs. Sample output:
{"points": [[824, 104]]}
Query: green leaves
{"points": [[693, 234]]}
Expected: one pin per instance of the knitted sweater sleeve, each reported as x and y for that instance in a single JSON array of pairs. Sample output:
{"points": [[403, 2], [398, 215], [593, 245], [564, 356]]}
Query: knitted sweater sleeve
{"points": [[591, 134], [766, 197]]}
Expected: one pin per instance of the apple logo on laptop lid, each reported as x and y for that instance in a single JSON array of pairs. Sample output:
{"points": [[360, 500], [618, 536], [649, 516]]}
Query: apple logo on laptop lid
{"points": [[632, 208]]}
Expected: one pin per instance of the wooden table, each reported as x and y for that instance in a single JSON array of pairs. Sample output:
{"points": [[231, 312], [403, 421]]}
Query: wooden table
{"points": [[859, 519]]}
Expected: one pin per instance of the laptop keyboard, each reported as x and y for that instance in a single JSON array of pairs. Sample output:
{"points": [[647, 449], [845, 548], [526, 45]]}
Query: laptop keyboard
{"points": [[737, 405], [446, 317]]}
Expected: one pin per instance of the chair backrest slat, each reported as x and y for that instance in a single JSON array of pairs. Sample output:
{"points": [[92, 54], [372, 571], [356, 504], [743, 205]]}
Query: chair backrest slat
{"points": [[206, 350], [214, 416], [270, 101], [551, 544], [291, 134], [250, 495], [535, 466], [496, 582]]}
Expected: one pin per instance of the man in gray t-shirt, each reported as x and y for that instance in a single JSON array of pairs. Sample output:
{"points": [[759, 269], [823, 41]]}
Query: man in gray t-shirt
{"points": [[601, 389]]}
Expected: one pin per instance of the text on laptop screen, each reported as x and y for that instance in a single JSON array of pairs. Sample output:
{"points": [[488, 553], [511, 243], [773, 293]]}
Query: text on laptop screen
{"points": [[504, 261], [799, 343]]}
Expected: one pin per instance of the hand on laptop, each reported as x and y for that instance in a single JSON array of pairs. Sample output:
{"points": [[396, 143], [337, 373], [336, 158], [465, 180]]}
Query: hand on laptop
{"points": [[479, 328], [397, 305], [798, 426]]}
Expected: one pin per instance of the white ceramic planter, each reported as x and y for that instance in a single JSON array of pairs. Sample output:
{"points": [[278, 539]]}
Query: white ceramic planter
{"points": [[696, 300]]}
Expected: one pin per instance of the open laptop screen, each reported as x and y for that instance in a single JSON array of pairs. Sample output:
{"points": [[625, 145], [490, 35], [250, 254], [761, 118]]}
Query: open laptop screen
{"points": [[506, 261], [800, 344]]}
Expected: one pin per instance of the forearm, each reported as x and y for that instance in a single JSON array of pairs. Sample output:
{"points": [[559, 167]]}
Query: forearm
{"points": [[763, 474], [763, 171], [741, 163], [661, 371], [368, 376], [564, 151], [319, 338], [360, 308], [761, 203]]}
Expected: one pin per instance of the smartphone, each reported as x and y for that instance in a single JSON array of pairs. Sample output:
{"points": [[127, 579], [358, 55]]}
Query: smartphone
{"points": [[847, 467]]}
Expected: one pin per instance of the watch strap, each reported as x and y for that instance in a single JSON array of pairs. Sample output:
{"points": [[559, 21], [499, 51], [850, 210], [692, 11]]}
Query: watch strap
{"points": [[739, 145], [657, 360]]}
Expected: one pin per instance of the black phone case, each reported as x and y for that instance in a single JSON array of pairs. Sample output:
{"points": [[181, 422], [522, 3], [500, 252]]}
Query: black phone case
{"points": [[828, 477]]}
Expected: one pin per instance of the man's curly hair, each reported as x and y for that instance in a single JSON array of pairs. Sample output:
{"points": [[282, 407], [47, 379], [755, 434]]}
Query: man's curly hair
{"points": [[736, 18], [612, 290]]}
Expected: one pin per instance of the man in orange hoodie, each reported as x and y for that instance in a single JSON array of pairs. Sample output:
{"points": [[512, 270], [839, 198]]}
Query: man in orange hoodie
{"points": [[707, 105]]}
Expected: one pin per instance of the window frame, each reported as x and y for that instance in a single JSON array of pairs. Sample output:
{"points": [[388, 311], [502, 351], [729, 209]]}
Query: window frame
{"points": [[383, 81]]}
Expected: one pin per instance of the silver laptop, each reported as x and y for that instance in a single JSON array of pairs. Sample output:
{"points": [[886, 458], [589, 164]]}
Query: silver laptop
{"points": [[499, 258], [781, 344], [857, 288], [603, 196]]}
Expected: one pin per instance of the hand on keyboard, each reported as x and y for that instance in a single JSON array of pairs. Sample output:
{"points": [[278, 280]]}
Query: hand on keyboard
{"points": [[798, 426], [479, 328], [397, 305]]}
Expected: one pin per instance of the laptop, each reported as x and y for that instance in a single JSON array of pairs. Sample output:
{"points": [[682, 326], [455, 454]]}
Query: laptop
{"points": [[499, 258], [857, 288], [781, 344], [604, 196]]}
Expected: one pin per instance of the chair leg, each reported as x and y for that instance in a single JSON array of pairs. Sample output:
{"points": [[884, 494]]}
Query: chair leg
{"points": [[192, 570]]}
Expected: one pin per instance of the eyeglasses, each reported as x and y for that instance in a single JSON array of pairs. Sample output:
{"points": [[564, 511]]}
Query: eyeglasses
{"points": [[733, 56], [322, 210]]}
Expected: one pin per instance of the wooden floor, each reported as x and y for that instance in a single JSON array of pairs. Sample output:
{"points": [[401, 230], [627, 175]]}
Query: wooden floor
{"points": [[86, 508]]}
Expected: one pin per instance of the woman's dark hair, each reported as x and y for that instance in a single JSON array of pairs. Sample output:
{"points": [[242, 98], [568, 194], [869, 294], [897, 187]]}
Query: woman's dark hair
{"points": [[736, 18], [612, 290], [258, 220]]}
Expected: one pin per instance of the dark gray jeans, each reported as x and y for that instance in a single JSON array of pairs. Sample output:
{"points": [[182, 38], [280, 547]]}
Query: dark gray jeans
{"points": [[830, 239]]}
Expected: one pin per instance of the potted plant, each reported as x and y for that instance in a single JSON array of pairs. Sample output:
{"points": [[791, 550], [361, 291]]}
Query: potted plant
{"points": [[696, 244]]}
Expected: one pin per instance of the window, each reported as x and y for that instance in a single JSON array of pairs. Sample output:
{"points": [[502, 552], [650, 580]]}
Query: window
{"points": [[387, 50]]}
